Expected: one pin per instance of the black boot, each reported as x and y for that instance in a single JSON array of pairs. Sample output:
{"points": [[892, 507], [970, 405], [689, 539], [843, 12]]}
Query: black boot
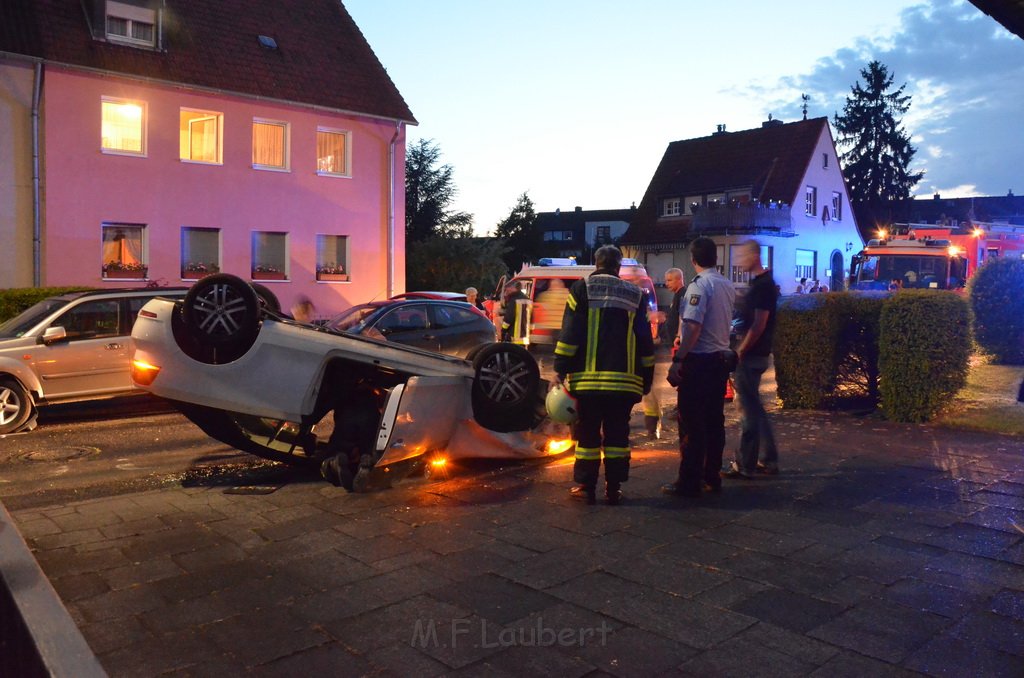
{"points": [[584, 492], [613, 494]]}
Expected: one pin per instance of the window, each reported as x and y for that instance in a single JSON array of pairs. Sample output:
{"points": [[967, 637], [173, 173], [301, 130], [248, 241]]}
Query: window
{"points": [[130, 24], [332, 153], [670, 208], [716, 199], [720, 258], [811, 201], [737, 274], [123, 128], [124, 251], [332, 258], [446, 316], [824, 160], [199, 135], [269, 145], [200, 252], [405, 318], [604, 234], [692, 202], [269, 255], [566, 235], [806, 265], [837, 206], [91, 320]]}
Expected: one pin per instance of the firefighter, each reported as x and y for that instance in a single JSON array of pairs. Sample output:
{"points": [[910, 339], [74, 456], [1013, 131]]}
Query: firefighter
{"points": [[605, 358], [511, 315]]}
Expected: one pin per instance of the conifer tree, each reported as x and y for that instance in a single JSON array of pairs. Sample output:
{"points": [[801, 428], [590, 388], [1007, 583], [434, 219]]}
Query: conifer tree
{"points": [[877, 150]]}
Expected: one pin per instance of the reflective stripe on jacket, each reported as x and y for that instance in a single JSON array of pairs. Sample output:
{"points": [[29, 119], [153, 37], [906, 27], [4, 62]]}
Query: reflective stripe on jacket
{"points": [[605, 344]]}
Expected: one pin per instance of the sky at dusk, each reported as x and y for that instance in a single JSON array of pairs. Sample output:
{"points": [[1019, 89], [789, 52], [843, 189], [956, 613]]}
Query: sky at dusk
{"points": [[574, 102]]}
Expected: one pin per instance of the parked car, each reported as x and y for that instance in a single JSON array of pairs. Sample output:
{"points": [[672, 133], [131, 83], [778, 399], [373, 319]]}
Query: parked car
{"points": [[448, 296], [450, 327], [259, 381], [70, 347]]}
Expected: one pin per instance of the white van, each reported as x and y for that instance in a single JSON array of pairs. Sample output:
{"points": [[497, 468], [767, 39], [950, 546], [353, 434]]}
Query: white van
{"points": [[547, 287]]}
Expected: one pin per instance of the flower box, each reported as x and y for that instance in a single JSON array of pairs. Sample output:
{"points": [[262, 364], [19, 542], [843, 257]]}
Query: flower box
{"points": [[332, 277], [195, 275], [125, 274], [268, 275]]}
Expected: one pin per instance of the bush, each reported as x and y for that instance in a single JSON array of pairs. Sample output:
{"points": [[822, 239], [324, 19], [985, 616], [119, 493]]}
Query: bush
{"points": [[806, 345], [857, 369], [15, 300], [997, 301], [924, 347]]}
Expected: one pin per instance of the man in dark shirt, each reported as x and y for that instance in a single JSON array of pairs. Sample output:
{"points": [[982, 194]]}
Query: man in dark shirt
{"points": [[674, 282], [757, 318]]}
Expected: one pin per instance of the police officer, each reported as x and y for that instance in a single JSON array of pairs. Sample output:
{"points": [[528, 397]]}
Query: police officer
{"points": [[699, 370], [605, 358]]}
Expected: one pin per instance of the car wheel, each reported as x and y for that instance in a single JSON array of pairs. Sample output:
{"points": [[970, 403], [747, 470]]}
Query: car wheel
{"points": [[222, 311], [268, 300], [15, 406], [506, 387]]}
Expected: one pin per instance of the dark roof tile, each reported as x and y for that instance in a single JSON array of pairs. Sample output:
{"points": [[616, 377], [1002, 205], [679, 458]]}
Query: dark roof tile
{"points": [[322, 58]]}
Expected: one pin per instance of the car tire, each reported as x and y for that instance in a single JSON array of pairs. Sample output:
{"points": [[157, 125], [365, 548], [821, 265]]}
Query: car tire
{"points": [[506, 388], [268, 300], [222, 311], [15, 405]]}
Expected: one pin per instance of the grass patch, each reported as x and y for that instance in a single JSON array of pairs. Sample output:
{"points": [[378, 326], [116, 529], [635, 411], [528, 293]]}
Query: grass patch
{"points": [[988, 402]]}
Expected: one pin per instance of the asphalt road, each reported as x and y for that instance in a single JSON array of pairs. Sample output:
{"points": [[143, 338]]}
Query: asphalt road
{"points": [[103, 448]]}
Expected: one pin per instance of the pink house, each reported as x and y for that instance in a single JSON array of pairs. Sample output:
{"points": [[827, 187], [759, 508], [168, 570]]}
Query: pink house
{"points": [[156, 141]]}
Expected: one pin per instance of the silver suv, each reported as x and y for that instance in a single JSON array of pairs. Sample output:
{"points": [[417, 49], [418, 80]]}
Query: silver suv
{"points": [[72, 347]]}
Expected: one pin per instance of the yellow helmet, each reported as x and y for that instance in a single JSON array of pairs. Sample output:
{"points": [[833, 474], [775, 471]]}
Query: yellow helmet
{"points": [[561, 405]]}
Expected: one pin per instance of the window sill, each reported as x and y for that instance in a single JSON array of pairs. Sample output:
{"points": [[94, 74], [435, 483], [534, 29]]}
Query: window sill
{"points": [[269, 168], [333, 175], [190, 161], [114, 151]]}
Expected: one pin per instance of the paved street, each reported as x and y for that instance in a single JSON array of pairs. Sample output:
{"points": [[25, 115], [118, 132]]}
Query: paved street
{"points": [[881, 549]]}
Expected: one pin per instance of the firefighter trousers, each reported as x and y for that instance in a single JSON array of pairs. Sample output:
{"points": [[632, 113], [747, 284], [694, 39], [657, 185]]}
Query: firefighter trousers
{"points": [[603, 426]]}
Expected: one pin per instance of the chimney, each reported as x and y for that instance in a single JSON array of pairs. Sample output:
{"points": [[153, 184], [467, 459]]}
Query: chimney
{"points": [[936, 196], [720, 130], [578, 208], [770, 122]]}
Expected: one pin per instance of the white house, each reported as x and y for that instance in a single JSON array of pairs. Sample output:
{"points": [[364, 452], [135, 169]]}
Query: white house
{"points": [[779, 183]]}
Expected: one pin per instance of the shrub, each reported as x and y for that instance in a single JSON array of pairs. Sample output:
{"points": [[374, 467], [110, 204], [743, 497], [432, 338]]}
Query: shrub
{"points": [[15, 300], [857, 354], [997, 300], [806, 346], [924, 347]]}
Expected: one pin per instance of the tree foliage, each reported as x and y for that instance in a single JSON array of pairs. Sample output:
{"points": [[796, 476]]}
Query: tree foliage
{"points": [[998, 308], [877, 151], [519, 232], [453, 264], [429, 193]]}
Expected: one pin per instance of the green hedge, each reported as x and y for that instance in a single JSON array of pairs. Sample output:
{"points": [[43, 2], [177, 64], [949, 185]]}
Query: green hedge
{"points": [[908, 351], [806, 345], [996, 294], [924, 347], [15, 300]]}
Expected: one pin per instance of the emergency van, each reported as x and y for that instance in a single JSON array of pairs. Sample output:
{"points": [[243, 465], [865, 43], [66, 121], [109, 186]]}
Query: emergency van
{"points": [[546, 286]]}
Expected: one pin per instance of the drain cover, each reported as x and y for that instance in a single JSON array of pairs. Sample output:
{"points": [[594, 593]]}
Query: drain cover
{"points": [[61, 453]]}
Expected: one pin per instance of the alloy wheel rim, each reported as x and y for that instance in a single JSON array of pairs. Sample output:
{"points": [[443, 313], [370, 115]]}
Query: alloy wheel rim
{"points": [[220, 310], [10, 406], [504, 378]]}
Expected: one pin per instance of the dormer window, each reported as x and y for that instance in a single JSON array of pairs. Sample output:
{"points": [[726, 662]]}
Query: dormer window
{"points": [[131, 25], [670, 207]]}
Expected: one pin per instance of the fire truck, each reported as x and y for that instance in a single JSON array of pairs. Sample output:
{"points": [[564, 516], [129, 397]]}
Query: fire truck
{"points": [[926, 256]]}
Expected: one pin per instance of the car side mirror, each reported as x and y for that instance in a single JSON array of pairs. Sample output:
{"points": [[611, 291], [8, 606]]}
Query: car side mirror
{"points": [[52, 335]]}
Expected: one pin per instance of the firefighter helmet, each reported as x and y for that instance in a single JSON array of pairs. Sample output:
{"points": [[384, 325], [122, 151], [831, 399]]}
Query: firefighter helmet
{"points": [[561, 406]]}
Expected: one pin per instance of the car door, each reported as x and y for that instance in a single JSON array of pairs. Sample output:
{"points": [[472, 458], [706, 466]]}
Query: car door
{"points": [[458, 328], [92, 358], [409, 324]]}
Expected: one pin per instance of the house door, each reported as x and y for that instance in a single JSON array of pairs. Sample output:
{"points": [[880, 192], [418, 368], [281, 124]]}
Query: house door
{"points": [[837, 281]]}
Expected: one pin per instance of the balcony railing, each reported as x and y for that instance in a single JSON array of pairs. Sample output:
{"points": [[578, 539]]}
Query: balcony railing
{"points": [[743, 219]]}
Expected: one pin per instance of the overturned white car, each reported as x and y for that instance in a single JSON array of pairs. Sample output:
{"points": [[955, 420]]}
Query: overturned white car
{"points": [[258, 381]]}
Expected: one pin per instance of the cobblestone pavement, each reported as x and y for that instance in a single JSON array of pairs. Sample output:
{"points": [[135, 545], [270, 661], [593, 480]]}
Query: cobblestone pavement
{"points": [[881, 549]]}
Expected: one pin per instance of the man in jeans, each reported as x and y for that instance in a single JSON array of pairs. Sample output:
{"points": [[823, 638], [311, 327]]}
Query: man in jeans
{"points": [[757, 322]]}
